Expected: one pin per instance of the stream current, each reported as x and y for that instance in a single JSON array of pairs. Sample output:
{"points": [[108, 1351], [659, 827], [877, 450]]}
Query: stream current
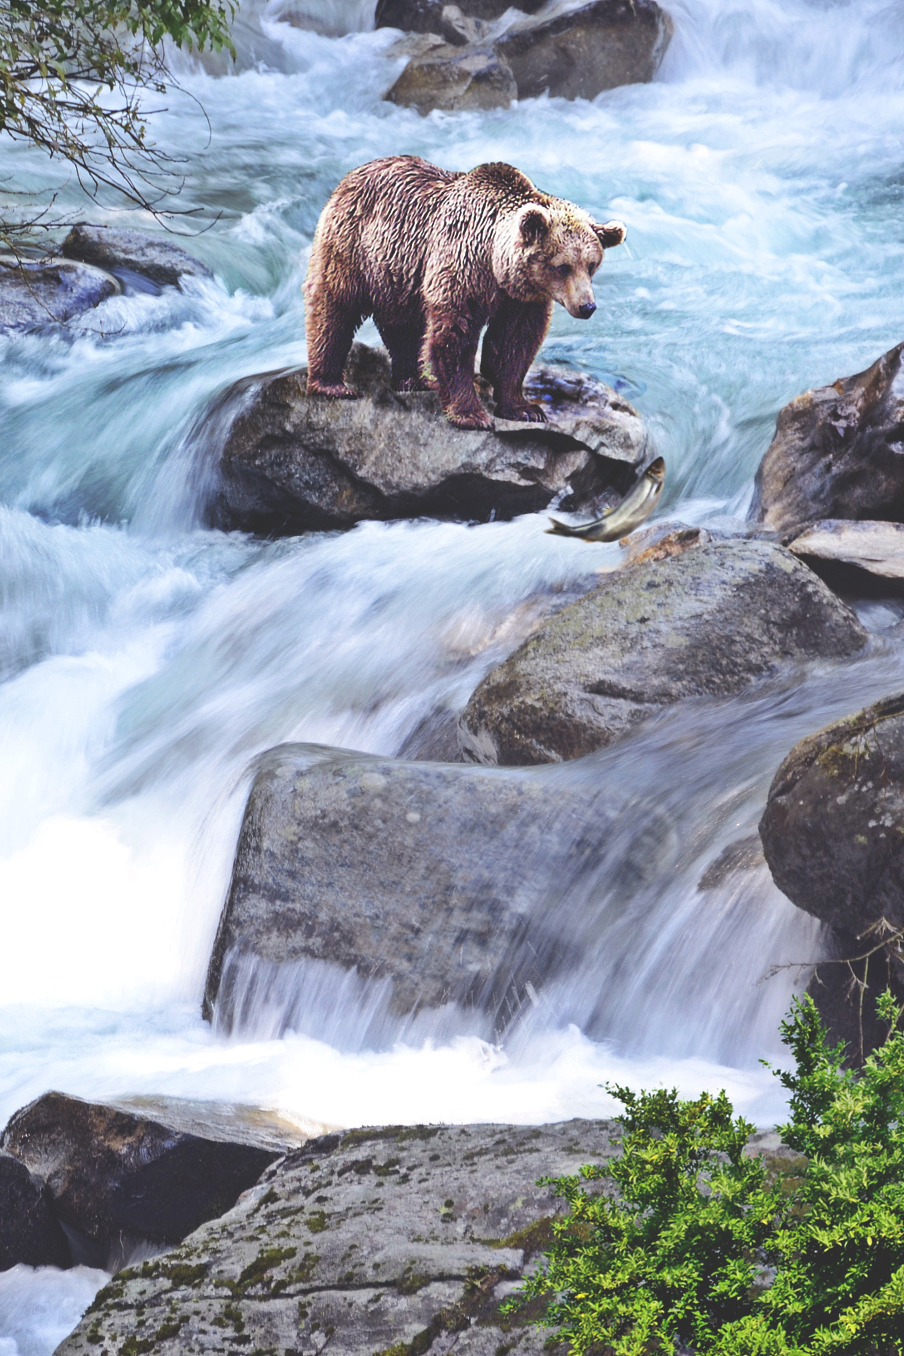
{"points": [[145, 660]]}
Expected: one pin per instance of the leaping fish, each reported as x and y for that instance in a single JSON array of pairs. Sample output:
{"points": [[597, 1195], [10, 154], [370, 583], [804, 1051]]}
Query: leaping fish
{"points": [[622, 518]]}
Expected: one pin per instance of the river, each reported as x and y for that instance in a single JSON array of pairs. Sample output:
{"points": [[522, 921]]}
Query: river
{"points": [[146, 659]]}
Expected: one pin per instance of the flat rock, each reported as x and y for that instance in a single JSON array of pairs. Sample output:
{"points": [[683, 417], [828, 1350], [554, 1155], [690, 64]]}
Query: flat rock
{"points": [[292, 464], [35, 294], [838, 452], [577, 51], [404, 1239], [453, 78], [833, 827], [708, 620], [127, 252], [118, 1177], [29, 1230], [430, 882], [848, 553]]}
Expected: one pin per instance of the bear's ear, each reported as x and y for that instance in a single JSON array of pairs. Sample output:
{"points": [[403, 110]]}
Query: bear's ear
{"points": [[611, 234], [533, 223]]}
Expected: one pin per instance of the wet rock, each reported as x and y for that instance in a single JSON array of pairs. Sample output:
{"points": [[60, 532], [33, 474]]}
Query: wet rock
{"points": [[454, 78], [710, 620], [577, 52], [745, 854], [838, 452], [124, 253], [433, 883], [29, 1230], [118, 1177], [403, 1239], [426, 16], [833, 828], [35, 294], [291, 464], [662, 540], [854, 556]]}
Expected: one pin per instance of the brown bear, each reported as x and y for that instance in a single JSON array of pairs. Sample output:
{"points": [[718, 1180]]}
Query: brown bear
{"points": [[434, 256]]}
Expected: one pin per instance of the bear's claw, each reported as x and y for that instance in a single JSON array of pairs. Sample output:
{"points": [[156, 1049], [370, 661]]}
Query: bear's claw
{"points": [[522, 414], [336, 392], [478, 421]]}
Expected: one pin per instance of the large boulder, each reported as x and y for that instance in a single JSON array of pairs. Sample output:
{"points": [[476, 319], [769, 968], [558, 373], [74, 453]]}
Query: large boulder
{"points": [[453, 78], [838, 452], [403, 1240], [29, 1229], [435, 882], [38, 293], [289, 463], [118, 1177], [125, 253], [707, 619], [833, 827], [576, 52]]}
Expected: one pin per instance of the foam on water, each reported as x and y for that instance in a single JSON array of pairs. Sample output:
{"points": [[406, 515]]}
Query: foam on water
{"points": [[145, 660]]}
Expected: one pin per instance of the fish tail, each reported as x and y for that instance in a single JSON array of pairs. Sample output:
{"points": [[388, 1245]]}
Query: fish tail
{"points": [[560, 529]]}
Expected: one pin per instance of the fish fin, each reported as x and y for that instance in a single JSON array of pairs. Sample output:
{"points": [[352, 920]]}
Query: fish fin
{"points": [[560, 529]]}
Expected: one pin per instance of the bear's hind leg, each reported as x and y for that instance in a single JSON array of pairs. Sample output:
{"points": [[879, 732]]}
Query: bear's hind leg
{"points": [[404, 345], [510, 345], [447, 358], [331, 328]]}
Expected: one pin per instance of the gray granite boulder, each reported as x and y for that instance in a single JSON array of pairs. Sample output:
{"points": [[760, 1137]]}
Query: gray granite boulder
{"points": [[405, 1239], [289, 463], [120, 1176], [453, 78], [833, 827], [709, 620], [38, 293], [838, 452], [30, 1232], [125, 253], [576, 52], [857, 556], [432, 883]]}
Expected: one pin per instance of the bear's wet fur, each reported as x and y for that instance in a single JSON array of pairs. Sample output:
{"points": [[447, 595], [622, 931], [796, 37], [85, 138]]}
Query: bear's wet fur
{"points": [[434, 256]]}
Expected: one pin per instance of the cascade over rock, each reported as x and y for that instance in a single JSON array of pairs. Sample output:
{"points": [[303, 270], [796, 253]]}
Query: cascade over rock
{"points": [[34, 295], [434, 880], [838, 452], [292, 463], [710, 619], [132, 252], [402, 1239]]}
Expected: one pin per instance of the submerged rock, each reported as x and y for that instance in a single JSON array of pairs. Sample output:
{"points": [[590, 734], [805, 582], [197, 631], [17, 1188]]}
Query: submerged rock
{"points": [[709, 620], [838, 452], [426, 16], [576, 52], [118, 1177], [402, 1239], [35, 294], [291, 464], [454, 78], [433, 882], [126, 252], [30, 1232]]}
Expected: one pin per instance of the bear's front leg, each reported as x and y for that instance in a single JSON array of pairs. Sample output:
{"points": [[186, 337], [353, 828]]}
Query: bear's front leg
{"points": [[330, 330], [513, 338], [450, 347]]}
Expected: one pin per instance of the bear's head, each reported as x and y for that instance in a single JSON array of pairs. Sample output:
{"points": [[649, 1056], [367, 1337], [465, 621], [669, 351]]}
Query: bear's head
{"points": [[551, 251]]}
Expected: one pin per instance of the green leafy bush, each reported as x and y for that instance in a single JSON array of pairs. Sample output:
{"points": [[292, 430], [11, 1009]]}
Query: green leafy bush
{"points": [[709, 1247]]}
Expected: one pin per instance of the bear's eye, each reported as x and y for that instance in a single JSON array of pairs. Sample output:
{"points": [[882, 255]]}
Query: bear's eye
{"points": [[563, 270]]}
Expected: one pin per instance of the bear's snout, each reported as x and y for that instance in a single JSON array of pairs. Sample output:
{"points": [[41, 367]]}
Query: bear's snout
{"points": [[586, 311]]}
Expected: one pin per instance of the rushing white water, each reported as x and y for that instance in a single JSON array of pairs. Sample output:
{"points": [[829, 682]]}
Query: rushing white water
{"points": [[145, 660]]}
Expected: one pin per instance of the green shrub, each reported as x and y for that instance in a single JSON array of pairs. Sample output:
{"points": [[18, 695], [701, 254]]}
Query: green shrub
{"points": [[709, 1247]]}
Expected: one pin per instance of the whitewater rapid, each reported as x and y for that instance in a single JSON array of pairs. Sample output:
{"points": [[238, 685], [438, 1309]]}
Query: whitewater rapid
{"points": [[145, 660]]}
